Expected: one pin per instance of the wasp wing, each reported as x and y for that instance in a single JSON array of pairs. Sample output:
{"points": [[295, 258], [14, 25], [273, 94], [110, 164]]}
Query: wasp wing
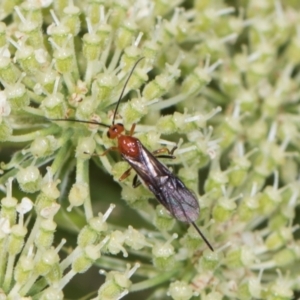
{"points": [[166, 187], [176, 198]]}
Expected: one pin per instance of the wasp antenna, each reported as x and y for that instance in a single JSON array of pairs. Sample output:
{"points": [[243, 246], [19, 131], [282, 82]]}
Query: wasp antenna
{"points": [[123, 89], [81, 121], [203, 237]]}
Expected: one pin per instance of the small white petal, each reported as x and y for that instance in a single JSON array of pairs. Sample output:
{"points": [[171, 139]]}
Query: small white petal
{"points": [[25, 206]]}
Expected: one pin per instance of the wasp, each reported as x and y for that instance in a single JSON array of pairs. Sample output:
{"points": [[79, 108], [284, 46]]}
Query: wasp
{"points": [[168, 189]]}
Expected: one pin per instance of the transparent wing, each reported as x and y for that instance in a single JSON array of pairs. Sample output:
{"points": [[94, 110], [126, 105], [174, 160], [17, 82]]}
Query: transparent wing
{"points": [[176, 198]]}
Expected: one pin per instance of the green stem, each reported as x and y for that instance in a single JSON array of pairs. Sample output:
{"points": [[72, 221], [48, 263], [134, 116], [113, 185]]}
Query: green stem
{"points": [[62, 154], [31, 136], [82, 175], [146, 284]]}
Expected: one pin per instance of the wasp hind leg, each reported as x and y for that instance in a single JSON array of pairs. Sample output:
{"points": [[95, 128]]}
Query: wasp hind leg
{"points": [[170, 153]]}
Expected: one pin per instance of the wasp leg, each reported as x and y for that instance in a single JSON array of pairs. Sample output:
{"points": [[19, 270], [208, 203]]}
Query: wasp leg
{"points": [[131, 132], [165, 149], [125, 174], [109, 149], [136, 182]]}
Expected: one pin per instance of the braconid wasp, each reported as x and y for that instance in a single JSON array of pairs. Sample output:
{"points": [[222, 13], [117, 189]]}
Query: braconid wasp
{"points": [[168, 189]]}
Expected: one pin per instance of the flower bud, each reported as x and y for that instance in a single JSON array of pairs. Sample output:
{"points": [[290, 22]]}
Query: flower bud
{"points": [[91, 46], [242, 257], [48, 260], [163, 254], [8, 72], [54, 106], [195, 81], [8, 209], [78, 194], [89, 255], [23, 269], [163, 220], [115, 243], [125, 34], [64, 62], [85, 148], [180, 290], [16, 239], [91, 233], [43, 146], [26, 58], [103, 86], [279, 238], [29, 179], [214, 183], [134, 110], [71, 19], [157, 87], [17, 96], [45, 235], [116, 284]]}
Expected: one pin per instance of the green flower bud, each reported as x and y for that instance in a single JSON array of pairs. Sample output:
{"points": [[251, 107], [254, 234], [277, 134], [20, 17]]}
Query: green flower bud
{"points": [[134, 110], [26, 58], [47, 80], [29, 179], [90, 254], [248, 208], [91, 46], [104, 32], [135, 240], [239, 171], [54, 275], [47, 261], [163, 220], [64, 62], [240, 257], [103, 86], [166, 125], [125, 34], [214, 183], [54, 106], [279, 238], [163, 254], [8, 72], [249, 289], [269, 199], [16, 239], [209, 261], [180, 290], [32, 12], [115, 243], [78, 193], [91, 233], [52, 293], [194, 82], [71, 19], [45, 235], [17, 96], [286, 257], [43, 146], [8, 209], [85, 148], [60, 34], [157, 87], [23, 269]]}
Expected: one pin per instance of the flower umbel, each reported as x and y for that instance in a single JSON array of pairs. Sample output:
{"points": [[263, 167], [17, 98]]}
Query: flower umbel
{"points": [[219, 82]]}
